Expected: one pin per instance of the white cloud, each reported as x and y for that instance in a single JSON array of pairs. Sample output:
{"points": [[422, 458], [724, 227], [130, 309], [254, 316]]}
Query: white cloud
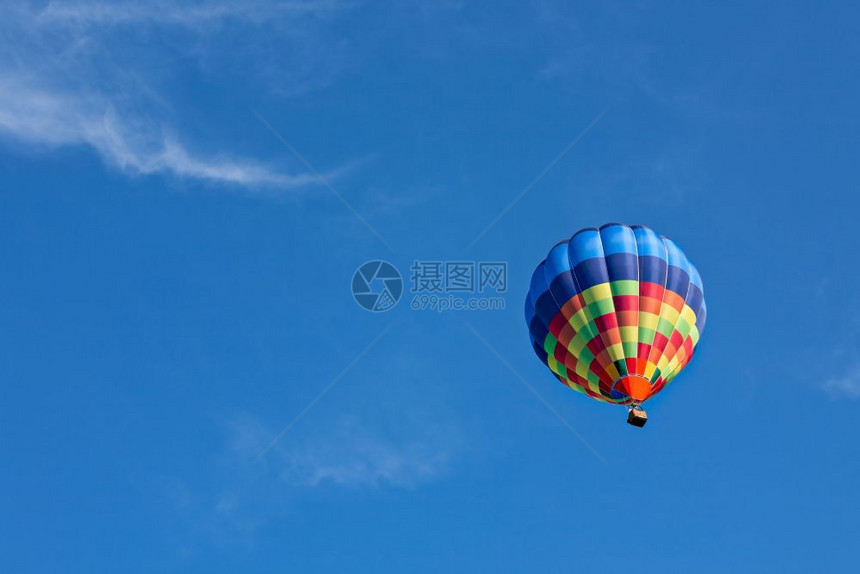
{"points": [[349, 455], [62, 83], [381, 203], [163, 12], [846, 387], [56, 119], [239, 493], [363, 460]]}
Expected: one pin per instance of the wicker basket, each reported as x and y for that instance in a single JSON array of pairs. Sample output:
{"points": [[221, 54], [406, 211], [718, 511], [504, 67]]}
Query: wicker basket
{"points": [[637, 417]]}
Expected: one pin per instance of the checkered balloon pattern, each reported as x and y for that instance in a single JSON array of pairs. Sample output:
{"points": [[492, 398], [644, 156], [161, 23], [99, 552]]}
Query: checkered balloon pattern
{"points": [[616, 312]]}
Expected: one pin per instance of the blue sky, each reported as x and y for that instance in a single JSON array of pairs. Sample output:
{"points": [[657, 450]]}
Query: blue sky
{"points": [[174, 285]]}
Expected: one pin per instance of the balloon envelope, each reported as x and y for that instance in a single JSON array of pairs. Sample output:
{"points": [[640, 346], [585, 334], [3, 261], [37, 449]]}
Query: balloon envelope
{"points": [[616, 312]]}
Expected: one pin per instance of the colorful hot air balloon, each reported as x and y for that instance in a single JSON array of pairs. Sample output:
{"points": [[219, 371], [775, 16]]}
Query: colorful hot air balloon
{"points": [[616, 313]]}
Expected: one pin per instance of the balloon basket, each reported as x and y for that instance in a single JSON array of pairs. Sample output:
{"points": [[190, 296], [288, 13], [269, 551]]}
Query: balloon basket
{"points": [[637, 417]]}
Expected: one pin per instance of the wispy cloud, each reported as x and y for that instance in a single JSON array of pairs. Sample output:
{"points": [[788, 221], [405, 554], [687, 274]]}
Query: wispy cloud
{"points": [[847, 386], [349, 454], [383, 203], [239, 494], [62, 84], [364, 460], [53, 119], [187, 14]]}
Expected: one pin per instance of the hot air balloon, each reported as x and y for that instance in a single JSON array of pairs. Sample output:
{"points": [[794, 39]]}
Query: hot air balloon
{"points": [[616, 313]]}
